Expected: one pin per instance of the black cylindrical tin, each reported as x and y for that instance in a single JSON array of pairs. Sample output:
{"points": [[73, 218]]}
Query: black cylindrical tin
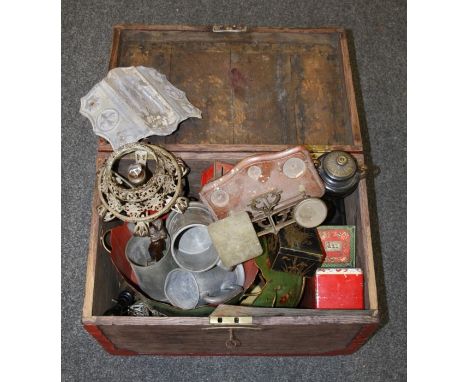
{"points": [[339, 172]]}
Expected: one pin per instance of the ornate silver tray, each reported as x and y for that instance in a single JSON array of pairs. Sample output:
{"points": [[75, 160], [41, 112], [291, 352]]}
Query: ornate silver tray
{"points": [[133, 103]]}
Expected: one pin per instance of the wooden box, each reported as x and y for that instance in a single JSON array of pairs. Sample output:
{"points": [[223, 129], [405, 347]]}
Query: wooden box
{"points": [[260, 90]]}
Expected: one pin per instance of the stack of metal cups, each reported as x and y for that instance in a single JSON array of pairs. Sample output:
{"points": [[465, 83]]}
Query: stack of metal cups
{"points": [[190, 273]]}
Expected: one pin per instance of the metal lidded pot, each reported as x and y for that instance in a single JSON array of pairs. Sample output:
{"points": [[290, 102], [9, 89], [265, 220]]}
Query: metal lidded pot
{"points": [[339, 172]]}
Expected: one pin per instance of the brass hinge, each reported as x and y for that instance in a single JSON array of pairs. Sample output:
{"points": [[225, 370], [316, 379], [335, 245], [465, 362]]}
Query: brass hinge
{"points": [[229, 28], [230, 320]]}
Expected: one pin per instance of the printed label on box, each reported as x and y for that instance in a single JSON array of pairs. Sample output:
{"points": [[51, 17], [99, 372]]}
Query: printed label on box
{"points": [[333, 246]]}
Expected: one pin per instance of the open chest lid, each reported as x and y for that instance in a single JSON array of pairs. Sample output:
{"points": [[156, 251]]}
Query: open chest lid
{"points": [[259, 89]]}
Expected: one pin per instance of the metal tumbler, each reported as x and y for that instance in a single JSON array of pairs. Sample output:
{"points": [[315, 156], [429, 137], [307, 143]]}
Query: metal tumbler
{"points": [[191, 245], [187, 290], [151, 277]]}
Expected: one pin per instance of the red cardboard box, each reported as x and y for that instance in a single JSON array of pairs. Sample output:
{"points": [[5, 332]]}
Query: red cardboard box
{"points": [[338, 288], [216, 170]]}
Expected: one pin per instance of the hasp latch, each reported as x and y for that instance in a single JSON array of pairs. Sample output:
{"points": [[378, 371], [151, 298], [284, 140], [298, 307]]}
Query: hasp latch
{"points": [[230, 320]]}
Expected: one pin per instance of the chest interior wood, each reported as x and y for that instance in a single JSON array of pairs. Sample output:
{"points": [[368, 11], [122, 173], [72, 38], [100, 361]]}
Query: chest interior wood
{"points": [[252, 88]]}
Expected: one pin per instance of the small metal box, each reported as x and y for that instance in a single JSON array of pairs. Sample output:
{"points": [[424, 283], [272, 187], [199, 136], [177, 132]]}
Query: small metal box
{"points": [[296, 250]]}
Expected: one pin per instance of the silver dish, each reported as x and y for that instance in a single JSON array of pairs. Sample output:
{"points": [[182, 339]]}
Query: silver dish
{"points": [[133, 103]]}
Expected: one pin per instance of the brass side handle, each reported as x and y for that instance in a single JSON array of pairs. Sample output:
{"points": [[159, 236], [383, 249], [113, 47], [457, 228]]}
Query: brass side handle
{"points": [[371, 170], [105, 238]]}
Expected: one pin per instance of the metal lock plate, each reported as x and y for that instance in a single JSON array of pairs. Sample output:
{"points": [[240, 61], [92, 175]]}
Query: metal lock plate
{"points": [[230, 320], [231, 323]]}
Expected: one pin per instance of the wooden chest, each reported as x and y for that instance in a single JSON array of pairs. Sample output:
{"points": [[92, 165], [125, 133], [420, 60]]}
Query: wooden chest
{"points": [[259, 90]]}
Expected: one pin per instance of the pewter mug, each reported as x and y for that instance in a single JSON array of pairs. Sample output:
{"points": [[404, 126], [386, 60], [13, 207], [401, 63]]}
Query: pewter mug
{"points": [[191, 245], [188, 290], [151, 277]]}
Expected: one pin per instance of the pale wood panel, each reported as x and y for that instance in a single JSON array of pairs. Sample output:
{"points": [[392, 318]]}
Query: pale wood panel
{"points": [[364, 246], [274, 316], [260, 317]]}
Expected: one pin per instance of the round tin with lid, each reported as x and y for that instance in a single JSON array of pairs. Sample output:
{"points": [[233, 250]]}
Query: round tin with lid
{"points": [[310, 212], [339, 172]]}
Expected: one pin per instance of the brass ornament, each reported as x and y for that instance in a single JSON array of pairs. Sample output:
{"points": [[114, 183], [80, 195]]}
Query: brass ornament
{"points": [[136, 202]]}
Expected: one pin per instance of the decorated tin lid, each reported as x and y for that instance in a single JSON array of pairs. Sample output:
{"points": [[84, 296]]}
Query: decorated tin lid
{"points": [[339, 172], [310, 212], [339, 165]]}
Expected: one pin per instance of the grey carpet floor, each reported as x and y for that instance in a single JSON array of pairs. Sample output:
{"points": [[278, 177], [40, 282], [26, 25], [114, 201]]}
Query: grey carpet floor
{"points": [[378, 30]]}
